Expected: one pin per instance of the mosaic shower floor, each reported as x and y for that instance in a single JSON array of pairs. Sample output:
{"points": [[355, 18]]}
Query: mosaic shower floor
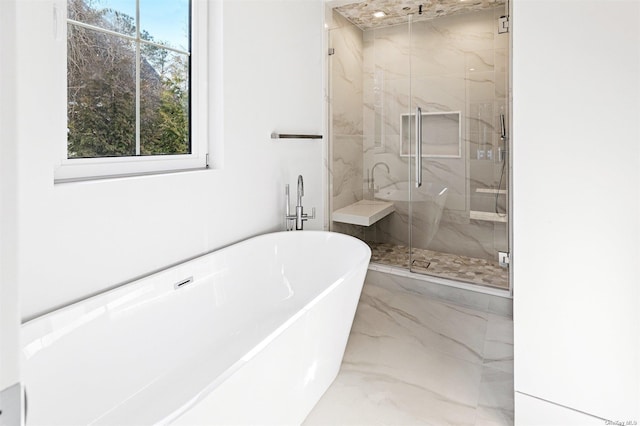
{"points": [[445, 265]]}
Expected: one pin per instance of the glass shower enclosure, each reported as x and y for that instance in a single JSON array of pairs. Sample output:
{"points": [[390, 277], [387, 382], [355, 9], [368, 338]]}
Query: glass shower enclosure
{"points": [[419, 119]]}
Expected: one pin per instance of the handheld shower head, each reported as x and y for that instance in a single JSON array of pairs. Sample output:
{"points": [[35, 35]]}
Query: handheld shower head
{"points": [[502, 151]]}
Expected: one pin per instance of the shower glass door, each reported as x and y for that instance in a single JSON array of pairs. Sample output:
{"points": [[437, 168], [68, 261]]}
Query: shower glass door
{"points": [[442, 75], [458, 184]]}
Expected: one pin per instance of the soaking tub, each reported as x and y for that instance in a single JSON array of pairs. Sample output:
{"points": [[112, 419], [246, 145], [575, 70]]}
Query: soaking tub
{"points": [[250, 334]]}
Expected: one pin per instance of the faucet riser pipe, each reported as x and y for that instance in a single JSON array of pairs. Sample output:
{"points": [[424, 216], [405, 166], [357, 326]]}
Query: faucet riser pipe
{"points": [[299, 218]]}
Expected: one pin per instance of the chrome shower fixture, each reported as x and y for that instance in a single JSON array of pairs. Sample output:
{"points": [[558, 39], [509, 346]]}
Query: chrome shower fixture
{"points": [[503, 129], [502, 151]]}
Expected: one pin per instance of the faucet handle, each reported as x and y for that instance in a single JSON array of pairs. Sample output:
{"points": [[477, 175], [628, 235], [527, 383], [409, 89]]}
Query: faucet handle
{"points": [[305, 216]]}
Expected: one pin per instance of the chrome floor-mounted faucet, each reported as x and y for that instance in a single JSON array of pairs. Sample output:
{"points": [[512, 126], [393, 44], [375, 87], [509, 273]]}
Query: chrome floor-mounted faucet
{"points": [[298, 218]]}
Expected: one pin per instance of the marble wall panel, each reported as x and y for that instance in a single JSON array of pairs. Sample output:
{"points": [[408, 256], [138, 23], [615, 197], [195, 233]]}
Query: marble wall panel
{"points": [[347, 170], [393, 229], [501, 59], [368, 43], [467, 32], [501, 81], [451, 173], [481, 60], [480, 117], [394, 100], [372, 111], [435, 93], [485, 174], [346, 119], [437, 61], [346, 78], [500, 236], [456, 63], [481, 86], [391, 50], [473, 239]]}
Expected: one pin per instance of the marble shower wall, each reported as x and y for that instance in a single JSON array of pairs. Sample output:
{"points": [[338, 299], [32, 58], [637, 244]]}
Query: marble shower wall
{"points": [[345, 115], [456, 63]]}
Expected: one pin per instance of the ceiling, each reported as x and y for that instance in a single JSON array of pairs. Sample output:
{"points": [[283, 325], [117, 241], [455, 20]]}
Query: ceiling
{"points": [[396, 11]]}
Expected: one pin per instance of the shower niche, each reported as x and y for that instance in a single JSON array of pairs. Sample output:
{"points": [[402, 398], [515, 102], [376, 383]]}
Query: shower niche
{"points": [[452, 63], [441, 134]]}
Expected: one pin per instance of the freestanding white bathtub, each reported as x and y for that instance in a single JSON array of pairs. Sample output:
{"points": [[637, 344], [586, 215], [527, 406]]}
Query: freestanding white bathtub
{"points": [[250, 334]]}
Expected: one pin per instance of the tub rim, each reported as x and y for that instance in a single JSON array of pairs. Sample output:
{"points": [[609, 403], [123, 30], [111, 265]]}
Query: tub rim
{"points": [[134, 281]]}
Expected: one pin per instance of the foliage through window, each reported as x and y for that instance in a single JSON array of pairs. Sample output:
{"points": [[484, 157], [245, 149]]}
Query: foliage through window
{"points": [[128, 78]]}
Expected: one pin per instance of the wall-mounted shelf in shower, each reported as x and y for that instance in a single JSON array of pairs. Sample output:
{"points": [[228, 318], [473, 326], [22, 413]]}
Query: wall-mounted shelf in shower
{"points": [[488, 216], [491, 191], [363, 212]]}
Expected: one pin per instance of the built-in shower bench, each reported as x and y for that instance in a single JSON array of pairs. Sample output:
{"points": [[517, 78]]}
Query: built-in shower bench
{"points": [[363, 212]]}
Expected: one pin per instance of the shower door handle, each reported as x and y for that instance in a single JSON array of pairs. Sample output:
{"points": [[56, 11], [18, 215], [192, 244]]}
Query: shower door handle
{"points": [[418, 147]]}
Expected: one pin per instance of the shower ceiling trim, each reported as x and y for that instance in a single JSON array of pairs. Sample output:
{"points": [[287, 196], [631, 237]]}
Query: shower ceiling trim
{"points": [[361, 13]]}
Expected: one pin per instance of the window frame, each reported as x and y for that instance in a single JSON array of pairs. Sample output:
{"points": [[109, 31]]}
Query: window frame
{"points": [[79, 169]]}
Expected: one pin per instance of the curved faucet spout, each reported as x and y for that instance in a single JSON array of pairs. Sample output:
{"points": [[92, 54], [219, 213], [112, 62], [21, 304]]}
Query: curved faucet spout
{"points": [[372, 186], [300, 189]]}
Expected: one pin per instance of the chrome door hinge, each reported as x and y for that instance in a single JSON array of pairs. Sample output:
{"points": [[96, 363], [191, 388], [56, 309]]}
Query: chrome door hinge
{"points": [[504, 258], [207, 160], [332, 51], [503, 24]]}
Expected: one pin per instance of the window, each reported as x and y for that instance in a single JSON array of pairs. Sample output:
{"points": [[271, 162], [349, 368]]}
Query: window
{"points": [[132, 70]]}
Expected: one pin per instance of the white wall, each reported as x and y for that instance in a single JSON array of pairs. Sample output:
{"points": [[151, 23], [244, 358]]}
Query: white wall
{"points": [[9, 312], [576, 162], [81, 238]]}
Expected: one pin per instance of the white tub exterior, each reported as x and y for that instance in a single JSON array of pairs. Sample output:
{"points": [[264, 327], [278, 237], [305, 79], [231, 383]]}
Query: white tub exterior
{"points": [[256, 338]]}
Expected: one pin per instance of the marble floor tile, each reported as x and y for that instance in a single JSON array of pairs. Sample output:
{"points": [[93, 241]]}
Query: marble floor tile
{"points": [[444, 378], [446, 328], [498, 344], [373, 398], [495, 405], [415, 360]]}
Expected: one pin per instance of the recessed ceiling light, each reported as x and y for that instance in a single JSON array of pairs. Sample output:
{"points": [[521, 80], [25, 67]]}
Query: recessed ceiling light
{"points": [[379, 14]]}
